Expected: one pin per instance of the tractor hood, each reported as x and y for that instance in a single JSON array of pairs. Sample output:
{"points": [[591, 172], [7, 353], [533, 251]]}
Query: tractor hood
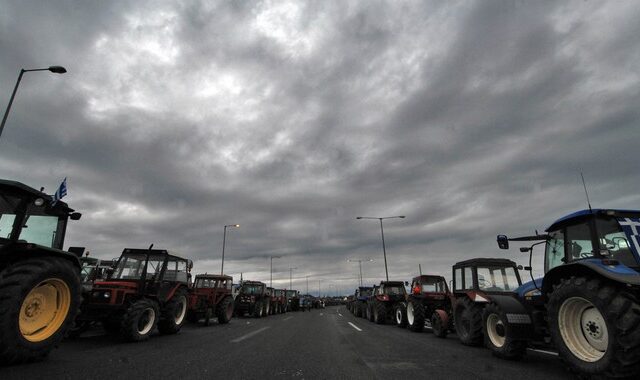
{"points": [[527, 287]]}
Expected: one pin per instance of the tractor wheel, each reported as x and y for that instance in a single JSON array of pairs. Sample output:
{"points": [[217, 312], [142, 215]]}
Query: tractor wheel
{"points": [[173, 313], [468, 319], [257, 310], [224, 311], [595, 327], [497, 335], [356, 310], [415, 316], [208, 314], [139, 320], [438, 325], [379, 313], [401, 315], [39, 300], [267, 309]]}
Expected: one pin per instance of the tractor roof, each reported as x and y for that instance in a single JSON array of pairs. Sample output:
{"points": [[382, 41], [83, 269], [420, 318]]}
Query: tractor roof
{"points": [[584, 213], [214, 276], [252, 282], [365, 287], [22, 190], [392, 283], [485, 262], [162, 252], [423, 277]]}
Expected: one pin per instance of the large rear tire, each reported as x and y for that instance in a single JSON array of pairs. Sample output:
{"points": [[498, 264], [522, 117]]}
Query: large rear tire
{"points": [[498, 336], [139, 320], [595, 327], [468, 320], [224, 310], [173, 313], [379, 313], [39, 300], [415, 316]]}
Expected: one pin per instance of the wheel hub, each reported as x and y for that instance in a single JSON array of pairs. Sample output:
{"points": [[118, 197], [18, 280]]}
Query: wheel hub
{"points": [[583, 329], [44, 310], [594, 328]]}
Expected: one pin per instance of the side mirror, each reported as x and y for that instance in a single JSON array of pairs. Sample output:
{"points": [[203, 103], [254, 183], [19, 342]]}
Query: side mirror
{"points": [[406, 283], [524, 249], [503, 242], [527, 268], [75, 216]]}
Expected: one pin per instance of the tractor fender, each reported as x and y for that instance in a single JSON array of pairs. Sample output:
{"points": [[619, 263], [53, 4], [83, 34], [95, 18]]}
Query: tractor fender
{"points": [[518, 317], [444, 316], [21, 251], [174, 290], [619, 273]]}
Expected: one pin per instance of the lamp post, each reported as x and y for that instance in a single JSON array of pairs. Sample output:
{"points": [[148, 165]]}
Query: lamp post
{"points": [[224, 241], [384, 250], [360, 264], [307, 284], [271, 271], [53, 69], [291, 278]]}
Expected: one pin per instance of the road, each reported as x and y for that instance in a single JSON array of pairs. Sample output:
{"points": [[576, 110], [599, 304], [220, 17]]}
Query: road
{"points": [[321, 344]]}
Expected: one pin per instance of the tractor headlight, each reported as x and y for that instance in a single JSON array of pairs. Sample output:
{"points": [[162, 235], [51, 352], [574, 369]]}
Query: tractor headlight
{"points": [[107, 295]]}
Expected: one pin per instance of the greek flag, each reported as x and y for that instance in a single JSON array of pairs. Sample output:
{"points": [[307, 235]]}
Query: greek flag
{"points": [[631, 228], [60, 193]]}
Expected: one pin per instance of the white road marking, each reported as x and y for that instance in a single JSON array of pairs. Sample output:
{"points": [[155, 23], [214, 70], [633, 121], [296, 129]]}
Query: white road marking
{"points": [[340, 314], [355, 327], [249, 335], [287, 318], [544, 352], [321, 314]]}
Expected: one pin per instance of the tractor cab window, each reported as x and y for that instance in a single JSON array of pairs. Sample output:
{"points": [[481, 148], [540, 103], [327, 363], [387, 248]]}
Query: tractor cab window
{"points": [[394, 290], [497, 279], [433, 285], [129, 267], [40, 229], [613, 241], [468, 278], [176, 270], [365, 292], [578, 242], [6, 225], [554, 252], [458, 279], [251, 289]]}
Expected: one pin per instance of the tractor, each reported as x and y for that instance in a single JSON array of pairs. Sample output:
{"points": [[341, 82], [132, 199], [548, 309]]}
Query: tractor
{"points": [[40, 287], [429, 301], [253, 299], [211, 296], [148, 288], [293, 300], [386, 297], [278, 301], [361, 296], [588, 302]]}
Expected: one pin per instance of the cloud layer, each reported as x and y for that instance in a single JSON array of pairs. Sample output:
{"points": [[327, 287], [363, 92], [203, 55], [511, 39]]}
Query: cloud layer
{"points": [[292, 118]]}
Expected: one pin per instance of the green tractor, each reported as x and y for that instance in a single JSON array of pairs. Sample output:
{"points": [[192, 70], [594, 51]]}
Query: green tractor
{"points": [[39, 281]]}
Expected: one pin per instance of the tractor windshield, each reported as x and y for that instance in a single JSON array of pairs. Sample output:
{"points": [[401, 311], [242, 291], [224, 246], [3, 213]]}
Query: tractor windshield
{"points": [[433, 285], [614, 240], [131, 266], [497, 279], [39, 227], [364, 292], [251, 289], [291, 293], [394, 290]]}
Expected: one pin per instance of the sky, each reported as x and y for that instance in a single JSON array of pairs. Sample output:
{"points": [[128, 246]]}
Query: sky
{"points": [[175, 118]]}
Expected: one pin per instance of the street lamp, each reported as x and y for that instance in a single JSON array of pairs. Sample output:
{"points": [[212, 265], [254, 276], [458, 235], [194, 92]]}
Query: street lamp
{"points": [[384, 250], [224, 241], [53, 69], [307, 284], [360, 264], [271, 271], [291, 277]]}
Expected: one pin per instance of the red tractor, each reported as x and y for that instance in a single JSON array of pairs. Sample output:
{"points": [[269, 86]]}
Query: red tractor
{"points": [[211, 296], [386, 297], [148, 288], [278, 301], [429, 302]]}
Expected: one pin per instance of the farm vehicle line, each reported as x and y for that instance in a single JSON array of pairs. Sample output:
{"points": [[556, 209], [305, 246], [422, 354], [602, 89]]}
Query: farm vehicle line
{"points": [[586, 306]]}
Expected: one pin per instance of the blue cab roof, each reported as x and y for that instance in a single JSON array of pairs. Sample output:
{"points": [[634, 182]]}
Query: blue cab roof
{"points": [[581, 213]]}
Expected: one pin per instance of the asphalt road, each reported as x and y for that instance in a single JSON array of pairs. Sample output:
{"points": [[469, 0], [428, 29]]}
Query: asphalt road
{"points": [[321, 344]]}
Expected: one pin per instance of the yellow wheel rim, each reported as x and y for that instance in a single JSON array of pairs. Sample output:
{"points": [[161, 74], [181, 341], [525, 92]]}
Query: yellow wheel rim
{"points": [[44, 310]]}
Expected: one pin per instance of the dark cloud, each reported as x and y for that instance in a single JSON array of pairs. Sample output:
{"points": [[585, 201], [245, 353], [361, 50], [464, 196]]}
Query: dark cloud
{"points": [[292, 119]]}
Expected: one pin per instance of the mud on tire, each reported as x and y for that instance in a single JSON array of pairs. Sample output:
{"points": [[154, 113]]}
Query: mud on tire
{"points": [[173, 313], [599, 306], [468, 319], [16, 283]]}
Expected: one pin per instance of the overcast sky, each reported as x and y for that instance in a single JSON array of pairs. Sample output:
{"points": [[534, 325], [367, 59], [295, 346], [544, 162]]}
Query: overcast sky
{"points": [[292, 118]]}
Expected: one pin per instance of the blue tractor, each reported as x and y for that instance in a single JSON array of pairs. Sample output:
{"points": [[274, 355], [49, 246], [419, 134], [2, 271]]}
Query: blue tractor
{"points": [[588, 302]]}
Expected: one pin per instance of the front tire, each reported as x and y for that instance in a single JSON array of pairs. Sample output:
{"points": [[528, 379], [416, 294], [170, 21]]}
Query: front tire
{"points": [[468, 318], [224, 310], [497, 336], [401, 315], [139, 320], [596, 327], [39, 300], [173, 313], [415, 316]]}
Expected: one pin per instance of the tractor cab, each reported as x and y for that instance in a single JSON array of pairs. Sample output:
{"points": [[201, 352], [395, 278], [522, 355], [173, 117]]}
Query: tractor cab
{"points": [[430, 285], [210, 281], [491, 276], [29, 220], [363, 292], [391, 290]]}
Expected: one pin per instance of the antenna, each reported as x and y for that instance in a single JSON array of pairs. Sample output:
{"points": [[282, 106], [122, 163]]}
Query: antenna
{"points": [[585, 191], [420, 268]]}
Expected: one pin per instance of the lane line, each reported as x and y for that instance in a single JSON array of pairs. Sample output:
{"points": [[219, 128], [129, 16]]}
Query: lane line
{"points": [[340, 314], [287, 318], [250, 334], [355, 327], [544, 352]]}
